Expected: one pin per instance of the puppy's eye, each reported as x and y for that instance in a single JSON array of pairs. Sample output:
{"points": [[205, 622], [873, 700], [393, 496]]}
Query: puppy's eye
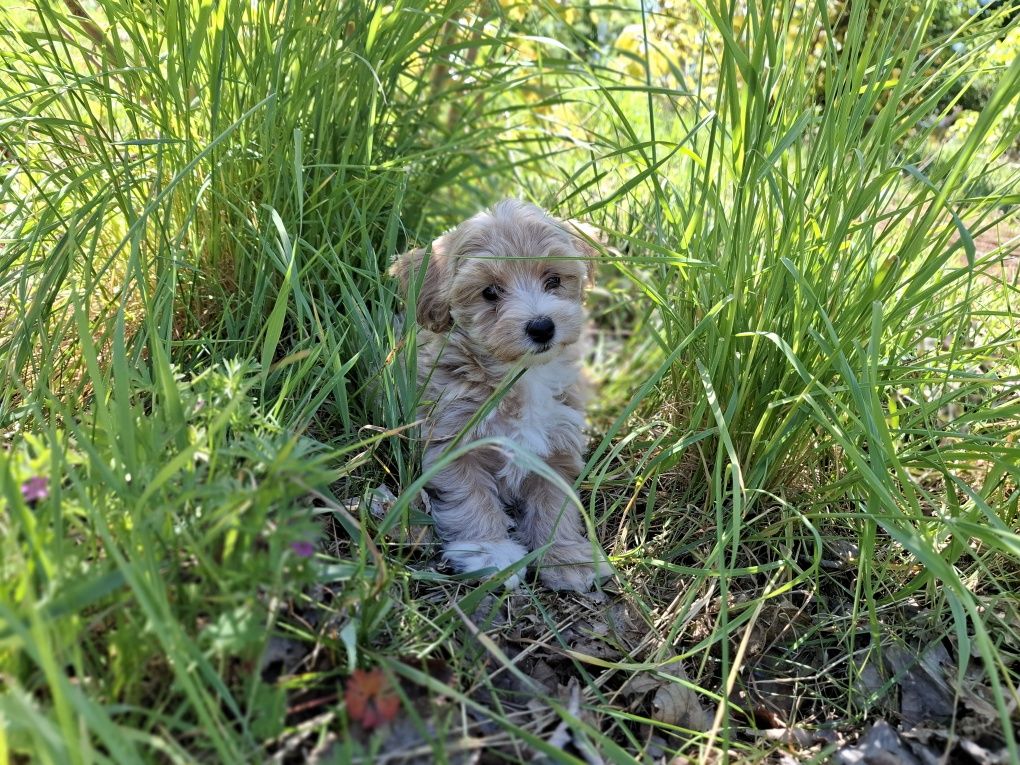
{"points": [[491, 293], [552, 283]]}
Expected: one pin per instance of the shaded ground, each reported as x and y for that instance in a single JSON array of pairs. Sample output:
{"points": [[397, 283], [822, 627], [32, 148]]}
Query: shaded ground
{"points": [[583, 673]]}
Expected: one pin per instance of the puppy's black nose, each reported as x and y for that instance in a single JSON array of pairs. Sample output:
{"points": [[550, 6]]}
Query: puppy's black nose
{"points": [[541, 330]]}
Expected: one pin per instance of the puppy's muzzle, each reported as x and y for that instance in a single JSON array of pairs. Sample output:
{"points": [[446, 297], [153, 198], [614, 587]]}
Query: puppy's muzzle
{"points": [[541, 330]]}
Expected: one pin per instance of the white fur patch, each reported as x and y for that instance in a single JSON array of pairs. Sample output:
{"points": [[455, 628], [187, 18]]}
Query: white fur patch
{"points": [[475, 556], [546, 422]]}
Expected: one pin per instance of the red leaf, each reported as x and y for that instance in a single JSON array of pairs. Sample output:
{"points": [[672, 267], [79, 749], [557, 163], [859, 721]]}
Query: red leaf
{"points": [[370, 699]]}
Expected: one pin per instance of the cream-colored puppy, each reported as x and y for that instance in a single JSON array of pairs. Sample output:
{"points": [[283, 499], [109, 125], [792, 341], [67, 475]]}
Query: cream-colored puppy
{"points": [[501, 292]]}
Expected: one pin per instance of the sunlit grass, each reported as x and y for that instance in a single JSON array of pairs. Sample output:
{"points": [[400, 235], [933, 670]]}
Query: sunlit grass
{"points": [[808, 352]]}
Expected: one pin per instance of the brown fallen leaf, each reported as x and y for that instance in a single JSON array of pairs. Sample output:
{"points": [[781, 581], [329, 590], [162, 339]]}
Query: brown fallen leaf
{"points": [[543, 673], [780, 621], [627, 624], [925, 694], [565, 734], [880, 745], [370, 699], [939, 745], [381, 500], [673, 702]]}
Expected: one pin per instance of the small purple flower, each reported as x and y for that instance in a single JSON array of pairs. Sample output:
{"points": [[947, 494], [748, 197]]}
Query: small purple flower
{"points": [[35, 489], [303, 548]]}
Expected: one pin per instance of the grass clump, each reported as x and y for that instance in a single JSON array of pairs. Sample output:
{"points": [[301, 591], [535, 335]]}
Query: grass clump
{"points": [[804, 461]]}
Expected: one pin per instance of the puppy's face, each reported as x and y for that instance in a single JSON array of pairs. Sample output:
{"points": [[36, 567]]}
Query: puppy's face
{"points": [[512, 279]]}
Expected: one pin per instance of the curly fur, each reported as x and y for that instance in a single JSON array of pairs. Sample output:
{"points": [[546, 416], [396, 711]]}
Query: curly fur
{"points": [[468, 345]]}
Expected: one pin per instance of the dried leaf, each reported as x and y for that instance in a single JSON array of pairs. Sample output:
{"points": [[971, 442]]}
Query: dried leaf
{"points": [[925, 696], [627, 624], [934, 746], [543, 673], [983, 756], [869, 677], [370, 699], [280, 657], [881, 745], [565, 735], [381, 500], [643, 682], [780, 621], [799, 738], [674, 702]]}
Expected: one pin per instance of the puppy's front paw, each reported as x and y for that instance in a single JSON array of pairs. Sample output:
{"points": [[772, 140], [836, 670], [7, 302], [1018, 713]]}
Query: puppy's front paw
{"points": [[574, 567], [474, 556], [578, 577]]}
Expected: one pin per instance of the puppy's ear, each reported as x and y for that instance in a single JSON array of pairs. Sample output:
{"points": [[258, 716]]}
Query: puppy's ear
{"points": [[433, 308], [587, 241]]}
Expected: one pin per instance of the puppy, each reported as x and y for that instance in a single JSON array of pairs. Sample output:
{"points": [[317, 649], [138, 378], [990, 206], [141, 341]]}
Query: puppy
{"points": [[502, 293]]}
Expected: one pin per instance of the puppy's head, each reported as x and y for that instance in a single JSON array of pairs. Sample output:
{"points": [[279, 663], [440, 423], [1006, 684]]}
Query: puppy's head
{"points": [[511, 278]]}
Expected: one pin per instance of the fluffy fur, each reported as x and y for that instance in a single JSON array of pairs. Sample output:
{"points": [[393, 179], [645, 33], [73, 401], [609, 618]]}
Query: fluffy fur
{"points": [[504, 291]]}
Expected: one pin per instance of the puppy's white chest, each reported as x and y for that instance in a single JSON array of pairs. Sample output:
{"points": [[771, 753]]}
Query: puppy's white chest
{"points": [[540, 421]]}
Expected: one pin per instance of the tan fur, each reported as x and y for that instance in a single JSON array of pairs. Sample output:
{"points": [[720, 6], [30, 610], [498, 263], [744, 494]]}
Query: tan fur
{"points": [[467, 347]]}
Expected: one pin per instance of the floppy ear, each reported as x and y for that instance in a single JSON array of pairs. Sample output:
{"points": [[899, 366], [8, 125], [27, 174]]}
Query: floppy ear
{"points": [[433, 307], [587, 239]]}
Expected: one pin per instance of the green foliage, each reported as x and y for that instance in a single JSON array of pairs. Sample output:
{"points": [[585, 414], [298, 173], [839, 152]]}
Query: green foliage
{"points": [[137, 499], [213, 155], [807, 339]]}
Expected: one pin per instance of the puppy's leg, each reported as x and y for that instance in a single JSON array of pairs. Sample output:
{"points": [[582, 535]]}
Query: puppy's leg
{"points": [[469, 516], [572, 562]]}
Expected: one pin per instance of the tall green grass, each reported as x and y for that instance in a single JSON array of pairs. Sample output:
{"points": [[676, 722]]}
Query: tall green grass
{"points": [[802, 342], [815, 304], [189, 184], [228, 171]]}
